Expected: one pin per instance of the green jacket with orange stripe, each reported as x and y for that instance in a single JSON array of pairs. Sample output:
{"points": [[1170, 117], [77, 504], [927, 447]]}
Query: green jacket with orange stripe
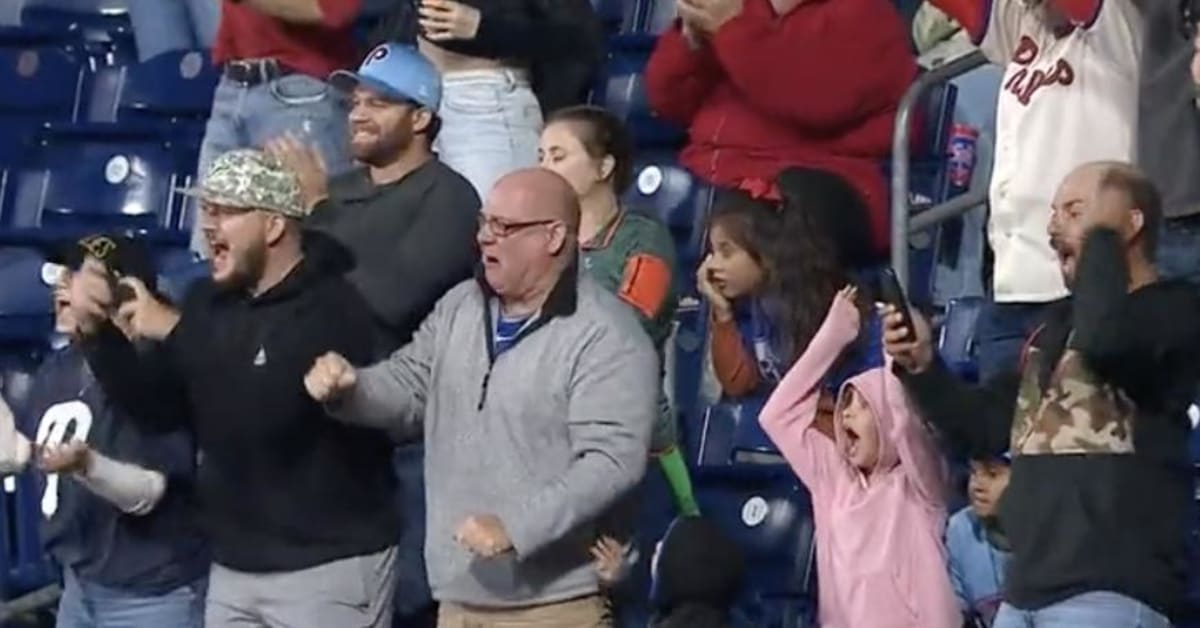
{"points": [[633, 257]]}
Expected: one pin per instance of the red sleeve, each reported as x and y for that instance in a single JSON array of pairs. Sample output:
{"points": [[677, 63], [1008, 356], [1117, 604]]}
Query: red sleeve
{"points": [[1080, 12], [972, 15], [339, 13], [678, 79], [735, 368], [827, 65]]}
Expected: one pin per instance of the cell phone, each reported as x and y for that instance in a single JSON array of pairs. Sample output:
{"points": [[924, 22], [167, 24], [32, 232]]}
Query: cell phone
{"points": [[892, 293]]}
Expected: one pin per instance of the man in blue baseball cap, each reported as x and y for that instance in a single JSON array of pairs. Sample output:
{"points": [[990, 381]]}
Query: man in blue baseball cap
{"points": [[410, 222]]}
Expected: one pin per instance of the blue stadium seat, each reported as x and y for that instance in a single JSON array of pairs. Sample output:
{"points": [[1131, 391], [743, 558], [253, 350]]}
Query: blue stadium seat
{"points": [[99, 27], [178, 268], [76, 182], [772, 521], [624, 93], [170, 94], [25, 308], [37, 85], [660, 15], [731, 435], [956, 340], [665, 189], [620, 17]]}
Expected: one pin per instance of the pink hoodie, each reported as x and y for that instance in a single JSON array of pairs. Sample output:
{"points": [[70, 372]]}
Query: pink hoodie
{"points": [[881, 562]]}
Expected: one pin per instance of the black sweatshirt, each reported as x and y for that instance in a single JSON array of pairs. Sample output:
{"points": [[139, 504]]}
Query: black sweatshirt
{"points": [[1101, 487], [281, 485]]}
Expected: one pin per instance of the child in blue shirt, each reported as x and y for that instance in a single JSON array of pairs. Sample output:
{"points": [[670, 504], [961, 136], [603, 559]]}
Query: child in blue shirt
{"points": [[975, 545]]}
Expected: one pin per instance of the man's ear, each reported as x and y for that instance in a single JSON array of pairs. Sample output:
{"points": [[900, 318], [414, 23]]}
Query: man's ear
{"points": [[422, 120], [1137, 224], [558, 238], [275, 228]]}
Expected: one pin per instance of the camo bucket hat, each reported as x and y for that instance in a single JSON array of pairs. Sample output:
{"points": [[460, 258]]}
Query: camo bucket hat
{"points": [[251, 179]]}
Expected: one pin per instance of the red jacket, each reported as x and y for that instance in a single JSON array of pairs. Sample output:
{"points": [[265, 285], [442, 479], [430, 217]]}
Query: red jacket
{"points": [[816, 87]]}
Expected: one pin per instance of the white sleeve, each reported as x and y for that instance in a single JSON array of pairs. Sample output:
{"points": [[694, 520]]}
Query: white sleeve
{"points": [[15, 449], [131, 488], [1005, 23]]}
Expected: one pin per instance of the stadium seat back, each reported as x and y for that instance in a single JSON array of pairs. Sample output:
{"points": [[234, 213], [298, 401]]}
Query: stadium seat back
{"points": [[730, 434], [25, 309], [90, 22], [772, 522], [956, 340], [619, 16], [177, 84], [665, 189], [660, 15], [84, 183], [623, 92], [39, 83]]}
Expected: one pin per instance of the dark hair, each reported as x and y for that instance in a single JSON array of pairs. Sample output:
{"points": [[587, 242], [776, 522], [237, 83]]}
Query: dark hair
{"points": [[432, 129], [1142, 195], [602, 134], [807, 244]]}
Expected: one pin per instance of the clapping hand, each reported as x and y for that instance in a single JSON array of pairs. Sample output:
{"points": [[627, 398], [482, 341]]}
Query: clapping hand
{"points": [[443, 20], [707, 16], [307, 163]]}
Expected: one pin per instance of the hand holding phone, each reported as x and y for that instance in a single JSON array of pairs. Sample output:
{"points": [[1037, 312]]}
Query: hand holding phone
{"points": [[892, 293]]}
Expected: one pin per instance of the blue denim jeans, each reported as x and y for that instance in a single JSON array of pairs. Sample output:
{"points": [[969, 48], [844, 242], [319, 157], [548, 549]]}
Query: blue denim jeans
{"points": [[1098, 609], [89, 605], [490, 125], [1001, 332], [163, 25], [249, 116], [1179, 250]]}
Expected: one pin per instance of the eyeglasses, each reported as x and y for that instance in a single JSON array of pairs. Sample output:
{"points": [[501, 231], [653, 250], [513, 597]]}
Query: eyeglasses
{"points": [[500, 228]]}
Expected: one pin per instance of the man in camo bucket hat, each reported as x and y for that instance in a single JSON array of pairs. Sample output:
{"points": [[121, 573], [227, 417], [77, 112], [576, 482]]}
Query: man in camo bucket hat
{"points": [[299, 509]]}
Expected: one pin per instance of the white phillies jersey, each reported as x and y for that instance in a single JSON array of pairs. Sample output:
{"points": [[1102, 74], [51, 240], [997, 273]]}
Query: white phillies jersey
{"points": [[1064, 102]]}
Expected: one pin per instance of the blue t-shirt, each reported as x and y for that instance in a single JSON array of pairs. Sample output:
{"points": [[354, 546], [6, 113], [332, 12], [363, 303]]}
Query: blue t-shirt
{"points": [[144, 554]]}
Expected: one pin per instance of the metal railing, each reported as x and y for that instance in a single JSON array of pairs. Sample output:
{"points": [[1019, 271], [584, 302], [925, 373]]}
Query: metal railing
{"points": [[903, 223]]}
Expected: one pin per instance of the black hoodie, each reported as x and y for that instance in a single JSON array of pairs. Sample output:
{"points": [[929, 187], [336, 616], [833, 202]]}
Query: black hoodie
{"points": [[698, 575], [282, 486], [1101, 488]]}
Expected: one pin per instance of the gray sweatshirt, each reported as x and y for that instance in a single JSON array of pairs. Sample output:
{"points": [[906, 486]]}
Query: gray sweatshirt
{"points": [[546, 441]]}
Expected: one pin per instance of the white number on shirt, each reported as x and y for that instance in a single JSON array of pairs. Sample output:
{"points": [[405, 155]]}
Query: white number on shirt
{"points": [[56, 423]]}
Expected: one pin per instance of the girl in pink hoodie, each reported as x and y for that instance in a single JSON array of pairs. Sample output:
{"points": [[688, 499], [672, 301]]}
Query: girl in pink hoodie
{"points": [[877, 488]]}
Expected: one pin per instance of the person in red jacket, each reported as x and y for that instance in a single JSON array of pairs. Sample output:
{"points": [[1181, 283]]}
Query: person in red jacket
{"points": [[764, 84]]}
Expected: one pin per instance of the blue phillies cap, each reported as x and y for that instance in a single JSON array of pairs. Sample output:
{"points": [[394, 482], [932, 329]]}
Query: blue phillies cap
{"points": [[396, 72]]}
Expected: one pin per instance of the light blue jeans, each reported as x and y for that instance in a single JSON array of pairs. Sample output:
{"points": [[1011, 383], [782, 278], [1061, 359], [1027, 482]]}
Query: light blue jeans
{"points": [[490, 125], [163, 25], [250, 116], [1098, 609], [89, 605]]}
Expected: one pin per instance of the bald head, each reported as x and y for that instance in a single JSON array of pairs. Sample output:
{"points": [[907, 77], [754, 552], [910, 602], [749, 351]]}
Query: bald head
{"points": [[537, 194]]}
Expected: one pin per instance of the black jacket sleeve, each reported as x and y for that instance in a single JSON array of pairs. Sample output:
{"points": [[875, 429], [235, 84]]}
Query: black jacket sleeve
{"points": [[1126, 336], [144, 383], [975, 421]]}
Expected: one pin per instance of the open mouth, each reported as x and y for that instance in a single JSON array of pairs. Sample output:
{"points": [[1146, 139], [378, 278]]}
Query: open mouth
{"points": [[852, 439], [490, 260], [219, 251]]}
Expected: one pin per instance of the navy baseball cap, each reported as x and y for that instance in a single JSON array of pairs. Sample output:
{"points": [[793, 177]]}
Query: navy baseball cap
{"points": [[396, 72]]}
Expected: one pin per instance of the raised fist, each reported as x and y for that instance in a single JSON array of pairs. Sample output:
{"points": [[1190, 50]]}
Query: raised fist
{"points": [[330, 377]]}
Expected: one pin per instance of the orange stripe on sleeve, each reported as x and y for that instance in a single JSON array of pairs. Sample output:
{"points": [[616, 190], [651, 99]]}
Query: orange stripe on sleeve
{"points": [[646, 284]]}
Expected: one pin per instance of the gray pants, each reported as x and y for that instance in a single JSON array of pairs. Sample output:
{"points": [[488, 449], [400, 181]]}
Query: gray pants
{"points": [[352, 592]]}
